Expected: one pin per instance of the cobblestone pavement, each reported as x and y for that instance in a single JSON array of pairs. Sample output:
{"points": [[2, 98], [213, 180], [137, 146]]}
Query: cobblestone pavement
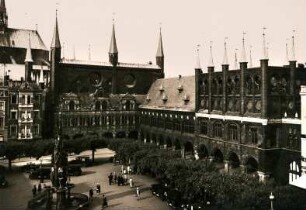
{"points": [[16, 196]]}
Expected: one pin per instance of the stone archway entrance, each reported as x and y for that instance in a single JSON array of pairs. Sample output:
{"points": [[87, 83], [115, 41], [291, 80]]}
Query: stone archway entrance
{"points": [[251, 165], [188, 151]]}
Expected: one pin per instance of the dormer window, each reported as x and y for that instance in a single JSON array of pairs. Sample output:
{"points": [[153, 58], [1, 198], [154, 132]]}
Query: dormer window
{"points": [[148, 98], [161, 88], [164, 98], [180, 88], [186, 98]]}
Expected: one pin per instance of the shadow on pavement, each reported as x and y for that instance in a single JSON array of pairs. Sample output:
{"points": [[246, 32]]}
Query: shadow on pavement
{"points": [[88, 172], [123, 194]]}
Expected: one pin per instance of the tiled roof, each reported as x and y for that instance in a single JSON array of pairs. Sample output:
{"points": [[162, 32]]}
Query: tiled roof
{"points": [[99, 63], [19, 38], [177, 94]]}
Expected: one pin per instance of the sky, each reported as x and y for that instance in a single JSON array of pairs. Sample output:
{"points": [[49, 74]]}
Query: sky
{"points": [[184, 25]]}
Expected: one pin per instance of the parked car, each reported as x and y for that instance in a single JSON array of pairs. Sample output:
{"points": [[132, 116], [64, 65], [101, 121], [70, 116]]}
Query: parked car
{"points": [[83, 160], [159, 190], [29, 167], [174, 199], [74, 170], [41, 172]]}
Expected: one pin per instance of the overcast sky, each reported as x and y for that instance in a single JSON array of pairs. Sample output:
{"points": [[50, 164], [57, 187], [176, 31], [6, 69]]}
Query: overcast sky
{"points": [[184, 25]]}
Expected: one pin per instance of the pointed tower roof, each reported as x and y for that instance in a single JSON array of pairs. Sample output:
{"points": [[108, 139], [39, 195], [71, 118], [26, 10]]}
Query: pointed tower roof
{"points": [[251, 59], [225, 58], [243, 53], [198, 64], [56, 40], [264, 48], [160, 49], [287, 53], [293, 48], [29, 57], [113, 44], [211, 61], [236, 60], [2, 4]]}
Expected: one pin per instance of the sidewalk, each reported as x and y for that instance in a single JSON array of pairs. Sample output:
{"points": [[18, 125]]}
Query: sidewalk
{"points": [[16, 196]]}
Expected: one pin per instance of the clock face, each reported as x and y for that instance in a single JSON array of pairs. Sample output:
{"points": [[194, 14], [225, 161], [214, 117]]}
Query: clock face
{"points": [[95, 79], [129, 80]]}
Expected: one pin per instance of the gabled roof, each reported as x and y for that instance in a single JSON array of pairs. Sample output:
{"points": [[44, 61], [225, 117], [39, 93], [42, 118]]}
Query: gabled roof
{"points": [[176, 94], [19, 38]]}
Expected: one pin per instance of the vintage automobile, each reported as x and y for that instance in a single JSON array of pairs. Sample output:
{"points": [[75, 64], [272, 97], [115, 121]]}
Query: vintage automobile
{"points": [[83, 160]]}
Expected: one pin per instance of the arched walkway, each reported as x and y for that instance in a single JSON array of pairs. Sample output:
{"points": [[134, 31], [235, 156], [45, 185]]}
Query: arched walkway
{"points": [[133, 135], [120, 134], [251, 165], [188, 150], [169, 143], [161, 140], [202, 151], [78, 135], [177, 144], [233, 159], [108, 135], [217, 155]]}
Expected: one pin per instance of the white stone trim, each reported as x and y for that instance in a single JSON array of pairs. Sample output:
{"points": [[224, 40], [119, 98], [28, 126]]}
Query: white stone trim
{"points": [[249, 119]]}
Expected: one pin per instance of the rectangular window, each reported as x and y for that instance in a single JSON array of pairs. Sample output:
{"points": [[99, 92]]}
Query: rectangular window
{"points": [[204, 128], [13, 130], [233, 132], [1, 122], [14, 99], [254, 135], [2, 106], [14, 115], [36, 130], [218, 130]]}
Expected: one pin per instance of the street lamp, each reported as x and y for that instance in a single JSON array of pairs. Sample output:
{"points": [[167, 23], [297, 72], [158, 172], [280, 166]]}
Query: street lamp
{"points": [[271, 199]]}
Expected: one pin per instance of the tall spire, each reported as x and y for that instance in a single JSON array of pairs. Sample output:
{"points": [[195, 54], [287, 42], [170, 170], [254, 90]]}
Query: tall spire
{"points": [[225, 57], [28, 57], [251, 59], [211, 61], [3, 4], [160, 61], [198, 64], [160, 50], [293, 47], [56, 40], [264, 48], [89, 52], [113, 44], [243, 53], [287, 53], [236, 60]]}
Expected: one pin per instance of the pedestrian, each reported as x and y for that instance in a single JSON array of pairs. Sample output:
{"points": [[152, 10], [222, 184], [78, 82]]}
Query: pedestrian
{"points": [[98, 188], [138, 193], [131, 182], [110, 178], [104, 202], [91, 194], [128, 169], [34, 190], [115, 177], [39, 188]]}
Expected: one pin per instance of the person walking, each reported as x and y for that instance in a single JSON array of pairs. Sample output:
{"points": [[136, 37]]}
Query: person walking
{"points": [[131, 182], [90, 194], [110, 178], [104, 202], [98, 188], [138, 193], [39, 188], [34, 190]]}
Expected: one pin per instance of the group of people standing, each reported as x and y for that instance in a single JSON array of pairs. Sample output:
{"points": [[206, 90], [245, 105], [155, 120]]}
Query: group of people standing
{"points": [[36, 189], [113, 178]]}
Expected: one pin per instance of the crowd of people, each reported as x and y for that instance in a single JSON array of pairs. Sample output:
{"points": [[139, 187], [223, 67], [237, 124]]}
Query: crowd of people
{"points": [[121, 179]]}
